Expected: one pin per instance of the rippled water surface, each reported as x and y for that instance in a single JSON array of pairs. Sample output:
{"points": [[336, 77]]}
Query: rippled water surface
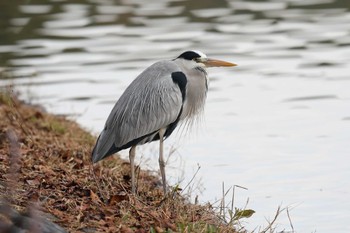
{"points": [[278, 124]]}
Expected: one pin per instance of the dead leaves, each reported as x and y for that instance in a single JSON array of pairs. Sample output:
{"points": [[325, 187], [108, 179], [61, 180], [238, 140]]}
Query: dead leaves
{"points": [[95, 198]]}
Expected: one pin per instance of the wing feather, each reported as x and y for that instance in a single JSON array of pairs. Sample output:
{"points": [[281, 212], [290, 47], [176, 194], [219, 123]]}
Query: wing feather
{"points": [[151, 102]]}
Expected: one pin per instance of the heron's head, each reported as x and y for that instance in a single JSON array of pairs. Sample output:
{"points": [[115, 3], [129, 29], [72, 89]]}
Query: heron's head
{"points": [[196, 59]]}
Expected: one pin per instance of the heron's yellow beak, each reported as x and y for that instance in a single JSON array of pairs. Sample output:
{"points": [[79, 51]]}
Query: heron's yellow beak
{"points": [[217, 63]]}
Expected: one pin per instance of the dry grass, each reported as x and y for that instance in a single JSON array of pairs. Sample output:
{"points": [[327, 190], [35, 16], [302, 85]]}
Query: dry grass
{"points": [[53, 172]]}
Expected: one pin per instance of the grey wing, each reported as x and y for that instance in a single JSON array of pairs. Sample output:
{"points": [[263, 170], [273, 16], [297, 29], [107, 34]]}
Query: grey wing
{"points": [[151, 102]]}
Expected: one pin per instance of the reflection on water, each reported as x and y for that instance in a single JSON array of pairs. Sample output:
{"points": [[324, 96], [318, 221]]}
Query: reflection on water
{"points": [[277, 124]]}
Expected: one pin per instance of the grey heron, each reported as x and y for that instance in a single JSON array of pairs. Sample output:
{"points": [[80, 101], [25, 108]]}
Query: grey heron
{"points": [[151, 107]]}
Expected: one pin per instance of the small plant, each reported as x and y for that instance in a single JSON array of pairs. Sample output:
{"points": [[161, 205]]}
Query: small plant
{"points": [[5, 97], [232, 215], [239, 214]]}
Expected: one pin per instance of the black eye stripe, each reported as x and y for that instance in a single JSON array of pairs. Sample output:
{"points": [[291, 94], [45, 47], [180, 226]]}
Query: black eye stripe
{"points": [[189, 55]]}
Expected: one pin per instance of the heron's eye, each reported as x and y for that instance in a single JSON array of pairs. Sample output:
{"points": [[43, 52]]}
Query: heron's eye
{"points": [[197, 59]]}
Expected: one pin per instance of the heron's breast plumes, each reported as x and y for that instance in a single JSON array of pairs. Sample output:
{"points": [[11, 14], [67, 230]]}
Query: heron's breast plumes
{"points": [[196, 92]]}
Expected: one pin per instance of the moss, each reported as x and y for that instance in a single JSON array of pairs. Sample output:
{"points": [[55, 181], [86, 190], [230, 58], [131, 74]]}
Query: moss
{"points": [[56, 127], [5, 97]]}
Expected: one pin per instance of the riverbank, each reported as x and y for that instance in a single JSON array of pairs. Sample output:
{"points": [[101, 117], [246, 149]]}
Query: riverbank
{"points": [[45, 165]]}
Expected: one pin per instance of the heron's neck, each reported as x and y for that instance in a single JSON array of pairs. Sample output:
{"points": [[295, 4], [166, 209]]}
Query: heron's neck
{"points": [[196, 92]]}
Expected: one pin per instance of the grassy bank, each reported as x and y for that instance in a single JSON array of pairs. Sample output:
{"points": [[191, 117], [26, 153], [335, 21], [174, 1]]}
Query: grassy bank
{"points": [[45, 164]]}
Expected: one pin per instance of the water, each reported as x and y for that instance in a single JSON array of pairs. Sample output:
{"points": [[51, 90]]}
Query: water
{"points": [[278, 124]]}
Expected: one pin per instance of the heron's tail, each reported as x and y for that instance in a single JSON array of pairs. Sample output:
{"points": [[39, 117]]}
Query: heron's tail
{"points": [[104, 147]]}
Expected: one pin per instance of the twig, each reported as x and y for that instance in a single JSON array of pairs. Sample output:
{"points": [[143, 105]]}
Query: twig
{"points": [[195, 174], [269, 227], [233, 195], [14, 160], [222, 209], [21, 121], [290, 220], [97, 182]]}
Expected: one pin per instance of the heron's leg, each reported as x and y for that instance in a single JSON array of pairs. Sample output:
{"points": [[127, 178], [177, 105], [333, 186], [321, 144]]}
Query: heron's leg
{"points": [[132, 158], [161, 159]]}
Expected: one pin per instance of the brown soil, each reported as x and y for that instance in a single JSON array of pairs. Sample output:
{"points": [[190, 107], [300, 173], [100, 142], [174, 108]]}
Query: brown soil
{"points": [[45, 164]]}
